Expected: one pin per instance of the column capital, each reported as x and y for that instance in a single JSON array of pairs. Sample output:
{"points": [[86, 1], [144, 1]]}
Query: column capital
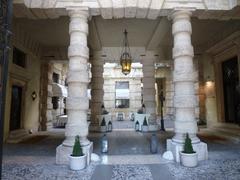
{"points": [[181, 14], [80, 12]]}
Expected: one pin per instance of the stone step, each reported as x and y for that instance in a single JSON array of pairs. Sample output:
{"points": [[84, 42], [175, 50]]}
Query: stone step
{"points": [[229, 126], [235, 138], [17, 135], [230, 131]]}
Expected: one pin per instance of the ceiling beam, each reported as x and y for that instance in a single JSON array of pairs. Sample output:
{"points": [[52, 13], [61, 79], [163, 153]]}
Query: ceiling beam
{"points": [[106, 8], [118, 8]]}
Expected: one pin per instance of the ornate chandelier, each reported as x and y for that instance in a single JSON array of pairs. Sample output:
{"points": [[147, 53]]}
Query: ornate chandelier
{"points": [[125, 59]]}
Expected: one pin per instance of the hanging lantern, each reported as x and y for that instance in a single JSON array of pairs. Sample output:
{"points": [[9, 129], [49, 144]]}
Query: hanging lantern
{"points": [[126, 59]]}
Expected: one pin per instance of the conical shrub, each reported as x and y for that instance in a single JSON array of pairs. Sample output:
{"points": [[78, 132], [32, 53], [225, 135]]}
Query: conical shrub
{"points": [[103, 123], [188, 149], [77, 150], [145, 122]]}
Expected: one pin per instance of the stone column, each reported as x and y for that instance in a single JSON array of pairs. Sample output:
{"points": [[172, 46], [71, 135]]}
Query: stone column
{"points": [[184, 78], [49, 98], [149, 91], [169, 95], [77, 101], [97, 92]]}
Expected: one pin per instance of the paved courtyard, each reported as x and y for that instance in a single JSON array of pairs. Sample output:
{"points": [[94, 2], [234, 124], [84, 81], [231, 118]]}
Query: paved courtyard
{"points": [[129, 158]]}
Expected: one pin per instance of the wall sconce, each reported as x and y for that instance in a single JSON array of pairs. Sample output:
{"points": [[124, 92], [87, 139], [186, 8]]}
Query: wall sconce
{"points": [[209, 81], [34, 95]]}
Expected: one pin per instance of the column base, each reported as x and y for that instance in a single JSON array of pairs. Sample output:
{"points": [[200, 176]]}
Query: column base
{"points": [[49, 125], [63, 153], [175, 148]]}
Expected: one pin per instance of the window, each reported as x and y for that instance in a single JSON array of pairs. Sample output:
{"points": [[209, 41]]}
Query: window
{"points": [[55, 102], [122, 103], [122, 85], [55, 77], [19, 57], [122, 94]]}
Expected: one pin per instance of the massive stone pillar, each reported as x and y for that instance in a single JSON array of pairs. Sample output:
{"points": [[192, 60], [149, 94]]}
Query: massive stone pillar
{"points": [[169, 95], [49, 98], [184, 78], [97, 92], [149, 91], [77, 101]]}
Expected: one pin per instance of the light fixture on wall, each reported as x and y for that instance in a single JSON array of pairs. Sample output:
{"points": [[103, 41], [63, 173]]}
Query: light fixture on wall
{"points": [[34, 95], [209, 81], [126, 59]]}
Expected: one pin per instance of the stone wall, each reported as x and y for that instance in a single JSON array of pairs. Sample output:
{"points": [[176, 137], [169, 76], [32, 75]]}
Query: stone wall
{"points": [[29, 79], [111, 76]]}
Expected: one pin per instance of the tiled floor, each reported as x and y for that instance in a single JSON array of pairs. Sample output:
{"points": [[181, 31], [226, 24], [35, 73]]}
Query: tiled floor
{"points": [[129, 158]]}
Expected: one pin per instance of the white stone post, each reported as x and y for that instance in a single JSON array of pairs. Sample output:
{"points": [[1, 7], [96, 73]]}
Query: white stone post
{"points": [[77, 101], [184, 78], [149, 91], [97, 92]]}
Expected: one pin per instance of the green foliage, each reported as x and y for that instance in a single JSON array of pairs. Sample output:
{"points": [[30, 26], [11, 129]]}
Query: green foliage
{"points": [[103, 123], [188, 149], [77, 150], [145, 122]]}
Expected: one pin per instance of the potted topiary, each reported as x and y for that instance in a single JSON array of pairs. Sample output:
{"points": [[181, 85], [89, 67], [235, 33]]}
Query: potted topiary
{"points": [[103, 127], [188, 156], [145, 125], [137, 126], [77, 159]]}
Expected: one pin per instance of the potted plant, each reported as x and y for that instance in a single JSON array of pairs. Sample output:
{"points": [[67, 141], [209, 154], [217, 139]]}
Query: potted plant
{"points": [[188, 156], [137, 126], [77, 159], [104, 111], [145, 125], [103, 127]]}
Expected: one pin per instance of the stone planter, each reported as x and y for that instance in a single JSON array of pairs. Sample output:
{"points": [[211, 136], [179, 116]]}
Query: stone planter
{"points": [[103, 128], [189, 160], [144, 128], [77, 162], [153, 127]]}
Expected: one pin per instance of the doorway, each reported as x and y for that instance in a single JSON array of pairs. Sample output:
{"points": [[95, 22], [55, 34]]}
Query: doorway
{"points": [[16, 108], [231, 90], [160, 90]]}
